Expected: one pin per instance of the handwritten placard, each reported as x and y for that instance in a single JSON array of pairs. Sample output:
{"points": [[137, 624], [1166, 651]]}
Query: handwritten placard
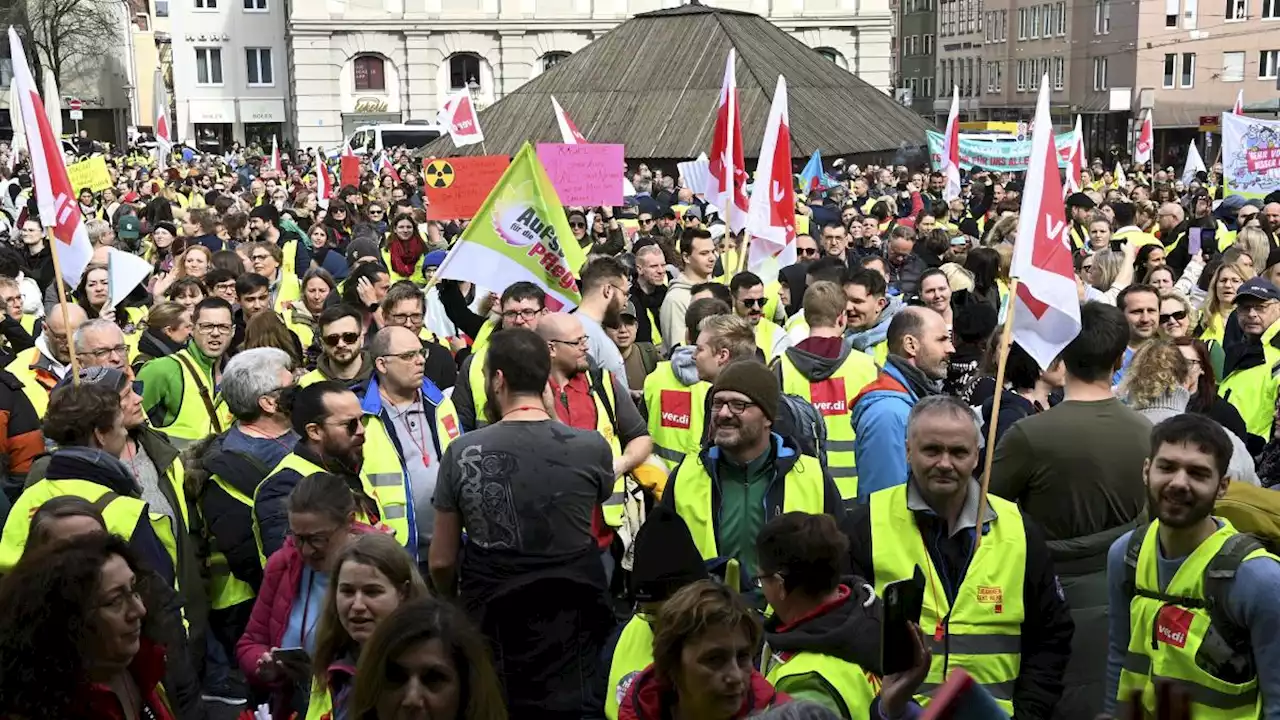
{"points": [[588, 174]]}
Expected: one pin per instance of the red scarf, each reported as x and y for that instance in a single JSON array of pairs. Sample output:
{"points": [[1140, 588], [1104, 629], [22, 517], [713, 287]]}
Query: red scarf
{"points": [[406, 254]]}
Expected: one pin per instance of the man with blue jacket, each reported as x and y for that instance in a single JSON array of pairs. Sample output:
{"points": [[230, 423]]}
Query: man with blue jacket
{"points": [[919, 351]]}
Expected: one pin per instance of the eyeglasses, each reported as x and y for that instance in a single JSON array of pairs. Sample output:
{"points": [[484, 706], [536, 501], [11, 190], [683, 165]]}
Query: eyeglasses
{"points": [[736, 407], [1178, 315], [576, 224], [526, 315], [1251, 309], [646, 221], [580, 342], [351, 425], [408, 355], [317, 541], [104, 353], [257, 257], [753, 302], [405, 318], [807, 252], [211, 328], [348, 338], [120, 601]]}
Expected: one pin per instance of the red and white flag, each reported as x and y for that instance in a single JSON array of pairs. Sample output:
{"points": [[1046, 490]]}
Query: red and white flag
{"points": [[727, 165], [1239, 108], [459, 116], [1075, 161], [383, 165], [324, 182], [951, 149], [1047, 316], [275, 157], [1142, 148], [160, 124], [54, 195], [569, 134], [771, 215]]}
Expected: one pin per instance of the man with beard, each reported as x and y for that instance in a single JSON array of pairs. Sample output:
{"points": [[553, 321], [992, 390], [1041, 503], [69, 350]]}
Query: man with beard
{"points": [[996, 610], [919, 353], [1080, 206], [328, 420], [748, 303], [180, 391], [747, 474], [605, 286], [1248, 382], [1141, 307], [648, 292], [526, 489], [1190, 597], [343, 357]]}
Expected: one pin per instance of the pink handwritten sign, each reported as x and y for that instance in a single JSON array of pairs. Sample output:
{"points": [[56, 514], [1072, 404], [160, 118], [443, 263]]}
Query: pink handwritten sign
{"points": [[1263, 159], [587, 174]]}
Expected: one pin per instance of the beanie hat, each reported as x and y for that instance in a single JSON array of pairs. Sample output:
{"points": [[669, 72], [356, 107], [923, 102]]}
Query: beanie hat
{"points": [[665, 557], [753, 379], [434, 258], [97, 375], [266, 211]]}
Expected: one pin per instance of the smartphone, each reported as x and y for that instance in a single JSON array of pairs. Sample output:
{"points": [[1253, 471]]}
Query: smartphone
{"points": [[1116, 245], [292, 656], [1194, 240], [903, 602]]}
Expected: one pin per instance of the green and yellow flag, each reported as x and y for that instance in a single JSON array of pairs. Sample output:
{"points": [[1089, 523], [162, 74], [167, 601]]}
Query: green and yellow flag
{"points": [[520, 233]]}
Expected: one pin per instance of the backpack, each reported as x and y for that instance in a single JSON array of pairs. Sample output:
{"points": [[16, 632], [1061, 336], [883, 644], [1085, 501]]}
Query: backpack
{"points": [[800, 421]]}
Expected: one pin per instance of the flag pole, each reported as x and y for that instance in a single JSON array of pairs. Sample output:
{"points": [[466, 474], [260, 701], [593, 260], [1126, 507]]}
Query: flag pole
{"points": [[1002, 355], [62, 303]]}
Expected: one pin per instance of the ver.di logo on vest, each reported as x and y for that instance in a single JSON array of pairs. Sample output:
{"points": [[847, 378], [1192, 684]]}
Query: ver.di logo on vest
{"points": [[1173, 624], [676, 406], [829, 397]]}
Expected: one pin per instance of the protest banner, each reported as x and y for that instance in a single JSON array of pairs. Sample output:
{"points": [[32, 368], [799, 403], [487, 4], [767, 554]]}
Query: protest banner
{"points": [[584, 174], [91, 173], [1003, 155], [519, 233], [457, 187], [1250, 155]]}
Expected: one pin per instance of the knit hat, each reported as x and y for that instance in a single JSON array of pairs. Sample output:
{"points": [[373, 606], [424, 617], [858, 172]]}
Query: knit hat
{"points": [[164, 225], [266, 211], [97, 375], [434, 258], [753, 379], [665, 557]]}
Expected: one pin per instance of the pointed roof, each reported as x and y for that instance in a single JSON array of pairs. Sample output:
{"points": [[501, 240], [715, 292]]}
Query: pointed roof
{"points": [[653, 84]]}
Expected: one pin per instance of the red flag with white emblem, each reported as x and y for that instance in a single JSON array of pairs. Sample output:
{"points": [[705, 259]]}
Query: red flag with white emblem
{"points": [[54, 194], [1047, 316], [569, 134], [459, 116], [275, 157], [729, 192], [771, 215], [1075, 162], [324, 182], [951, 149], [1142, 149]]}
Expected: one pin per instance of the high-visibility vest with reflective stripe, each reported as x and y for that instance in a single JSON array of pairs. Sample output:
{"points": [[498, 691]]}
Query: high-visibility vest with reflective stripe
{"points": [[613, 509], [1253, 391], [120, 512], [192, 421], [305, 467], [320, 703], [1136, 238], [833, 397], [982, 632], [415, 277], [225, 589], [633, 653], [802, 492], [1165, 637], [385, 480], [768, 339], [306, 335], [857, 687], [36, 384], [288, 290], [675, 414]]}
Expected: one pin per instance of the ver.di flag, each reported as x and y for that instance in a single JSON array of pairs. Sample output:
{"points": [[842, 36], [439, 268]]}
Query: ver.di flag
{"points": [[459, 116], [519, 233], [771, 212]]}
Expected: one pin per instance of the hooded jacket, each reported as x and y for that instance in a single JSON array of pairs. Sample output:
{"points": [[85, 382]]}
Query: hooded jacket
{"points": [[671, 316], [152, 345], [866, 340], [880, 421], [682, 364], [650, 699]]}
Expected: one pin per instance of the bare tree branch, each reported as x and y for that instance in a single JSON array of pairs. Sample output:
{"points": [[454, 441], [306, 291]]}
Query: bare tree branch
{"points": [[59, 34]]}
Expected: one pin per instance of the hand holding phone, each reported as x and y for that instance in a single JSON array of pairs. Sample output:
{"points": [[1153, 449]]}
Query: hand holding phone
{"points": [[903, 603]]}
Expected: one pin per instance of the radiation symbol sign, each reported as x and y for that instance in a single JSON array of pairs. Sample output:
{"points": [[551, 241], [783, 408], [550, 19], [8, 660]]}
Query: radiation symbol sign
{"points": [[439, 174]]}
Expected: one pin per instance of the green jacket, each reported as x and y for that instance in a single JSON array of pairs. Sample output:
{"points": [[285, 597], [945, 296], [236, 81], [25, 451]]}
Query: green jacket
{"points": [[162, 385]]}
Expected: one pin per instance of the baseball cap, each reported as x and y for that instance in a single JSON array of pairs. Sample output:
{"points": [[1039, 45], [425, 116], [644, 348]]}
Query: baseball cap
{"points": [[1081, 200], [630, 310], [129, 227], [1260, 288], [693, 211]]}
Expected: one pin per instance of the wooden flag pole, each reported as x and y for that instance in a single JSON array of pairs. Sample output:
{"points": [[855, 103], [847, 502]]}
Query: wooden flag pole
{"points": [[62, 303], [1006, 339], [743, 248]]}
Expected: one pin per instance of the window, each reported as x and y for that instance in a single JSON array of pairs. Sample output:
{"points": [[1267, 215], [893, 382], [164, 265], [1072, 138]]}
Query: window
{"points": [[206, 4], [1188, 70], [1022, 75], [258, 62], [1172, 8], [1099, 73], [208, 66], [911, 85], [1170, 69], [552, 59], [162, 8], [464, 69], [928, 44], [1268, 64], [370, 73], [1271, 9], [1189, 15], [1059, 73], [1035, 22], [926, 86], [1102, 17], [1232, 67], [1237, 10], [911, 44], [1046, 22], [255, 5], [1022, 23], [1004, 24]]}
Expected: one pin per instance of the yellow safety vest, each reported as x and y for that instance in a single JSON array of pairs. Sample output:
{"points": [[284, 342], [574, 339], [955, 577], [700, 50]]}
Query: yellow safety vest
{"points": [[676, 410], [833, 399], [448, 426], [633, 654], [1166, 636], [384, 479], [36, 384], [982, 632], [1253, 390], [857, 687], [306, 335], [416, 277], [768, 335], [797, 324], [613, 509], [288, 290], [120, 512], [193, 422], [225, 589], [289, 259], [481, 341], [1136, 238], [802, 492], [320, 703]]}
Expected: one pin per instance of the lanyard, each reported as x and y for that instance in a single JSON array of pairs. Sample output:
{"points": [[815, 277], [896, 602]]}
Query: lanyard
{"points": [[420, 441]]}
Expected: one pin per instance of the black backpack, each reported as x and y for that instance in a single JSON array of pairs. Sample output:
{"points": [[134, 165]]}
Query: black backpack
{"points": [[800, 421]]}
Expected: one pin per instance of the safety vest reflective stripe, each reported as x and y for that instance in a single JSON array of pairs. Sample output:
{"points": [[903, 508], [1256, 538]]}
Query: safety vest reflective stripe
{"points": [[225, 589], [304, 467], [385, 480], [802, 492], [675, 414], [857, 688], [1167, 637], [982, 631], [633, 653], [192, 421], [833, 397], [613, 508]]}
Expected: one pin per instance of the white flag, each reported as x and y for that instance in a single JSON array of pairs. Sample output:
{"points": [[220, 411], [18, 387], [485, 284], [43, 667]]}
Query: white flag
{"points": [[1194, 164]]}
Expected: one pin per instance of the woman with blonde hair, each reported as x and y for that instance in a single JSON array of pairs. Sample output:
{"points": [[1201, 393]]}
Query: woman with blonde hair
{"points": [[1255, 242], [1159, 383], [1112, 272], [1226, 281], [371, 578]]}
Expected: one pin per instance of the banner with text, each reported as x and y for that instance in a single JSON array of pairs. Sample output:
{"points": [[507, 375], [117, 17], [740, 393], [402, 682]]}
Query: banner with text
{"points": [[1002, 155], [456, 187], [1250, 155], [587, 174], [91, 173]]}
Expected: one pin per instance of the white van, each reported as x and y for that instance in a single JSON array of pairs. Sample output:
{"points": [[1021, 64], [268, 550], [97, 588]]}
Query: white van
{"points": [[371, 138]]}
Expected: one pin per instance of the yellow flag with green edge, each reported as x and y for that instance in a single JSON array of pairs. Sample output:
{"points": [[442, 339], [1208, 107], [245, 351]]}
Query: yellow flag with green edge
{"points": [[519, 233]]}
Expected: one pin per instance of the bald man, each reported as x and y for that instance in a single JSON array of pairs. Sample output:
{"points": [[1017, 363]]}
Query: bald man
{"points": [[41, 367], [1272, 213], [1171, 221]]}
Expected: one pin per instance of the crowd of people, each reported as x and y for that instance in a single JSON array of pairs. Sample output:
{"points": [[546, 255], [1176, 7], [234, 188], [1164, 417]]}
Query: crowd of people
{"points": [[293, 469]]}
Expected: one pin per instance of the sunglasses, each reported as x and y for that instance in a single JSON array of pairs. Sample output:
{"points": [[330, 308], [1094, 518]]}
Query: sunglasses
{"points": [[1178, 315], [807, 252], [349, 338], [753, 302], [577, 225], [350, 425]]}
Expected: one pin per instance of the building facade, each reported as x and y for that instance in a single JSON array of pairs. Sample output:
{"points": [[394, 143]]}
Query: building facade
{"points": [[230, 71], [355, 62], [961, 28], [916, 44]]}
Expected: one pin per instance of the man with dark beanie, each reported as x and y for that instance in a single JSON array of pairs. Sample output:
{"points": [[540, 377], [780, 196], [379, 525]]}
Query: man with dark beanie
{"points": [[748, 473], [666, 560]]}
